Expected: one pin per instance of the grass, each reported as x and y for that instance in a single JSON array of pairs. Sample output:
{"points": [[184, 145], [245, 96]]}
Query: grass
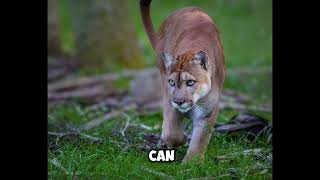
{"points": [[246, 30], [109, 159]]}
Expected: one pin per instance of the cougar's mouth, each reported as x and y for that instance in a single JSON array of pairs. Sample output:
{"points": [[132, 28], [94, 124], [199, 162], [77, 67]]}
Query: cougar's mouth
{"points": [[183, 108]]}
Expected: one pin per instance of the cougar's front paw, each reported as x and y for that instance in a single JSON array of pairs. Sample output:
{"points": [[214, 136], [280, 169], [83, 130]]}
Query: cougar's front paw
{"points": [[193, 156], [174, 140]]}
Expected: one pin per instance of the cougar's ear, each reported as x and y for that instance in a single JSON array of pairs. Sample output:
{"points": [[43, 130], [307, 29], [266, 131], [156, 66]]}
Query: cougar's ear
{"points": [[167, 59], [202, 59]]}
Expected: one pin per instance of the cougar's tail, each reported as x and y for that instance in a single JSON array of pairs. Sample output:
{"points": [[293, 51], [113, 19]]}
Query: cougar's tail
{"points": [[146, 19]]}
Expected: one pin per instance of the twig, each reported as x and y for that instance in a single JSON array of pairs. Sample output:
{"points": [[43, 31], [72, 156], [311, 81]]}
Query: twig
{"points": [[95, 139], [263, 171], [109, 102], [59, 135], [245, 153], [88, 93], [235, 127], [57, 164], [55, 133], [96, 106], [127, 124], [117, 143], [256, 167], [96, 122], [146, 127], [157, 173], [217, 177], [57, 73]]}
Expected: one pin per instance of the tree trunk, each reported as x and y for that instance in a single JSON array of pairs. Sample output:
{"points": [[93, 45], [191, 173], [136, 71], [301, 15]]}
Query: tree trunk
{"points": [[54, 48], [105, 34]]}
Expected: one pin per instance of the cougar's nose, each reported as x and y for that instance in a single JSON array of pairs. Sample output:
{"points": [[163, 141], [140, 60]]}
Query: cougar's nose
{"points": [[179, 102]]}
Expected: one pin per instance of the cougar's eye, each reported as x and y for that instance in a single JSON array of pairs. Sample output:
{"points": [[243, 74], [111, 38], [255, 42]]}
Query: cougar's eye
{"points": [[190, 82], [171, 82]]}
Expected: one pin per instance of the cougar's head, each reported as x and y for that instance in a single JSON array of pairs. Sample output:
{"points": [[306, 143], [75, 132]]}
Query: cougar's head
{"points": [[188, 79]]}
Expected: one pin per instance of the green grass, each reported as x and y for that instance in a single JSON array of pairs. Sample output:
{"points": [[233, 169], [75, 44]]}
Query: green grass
{"points": [[246, 30], [109, 162], [87, 159]]}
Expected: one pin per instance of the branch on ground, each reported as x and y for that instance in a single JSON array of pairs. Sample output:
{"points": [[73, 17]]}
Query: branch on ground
{"points": [[88, 81], [256, 152], [85, 136], [87, 93], [243, 107], [96, 122], [58, 73], [157, 173]]}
